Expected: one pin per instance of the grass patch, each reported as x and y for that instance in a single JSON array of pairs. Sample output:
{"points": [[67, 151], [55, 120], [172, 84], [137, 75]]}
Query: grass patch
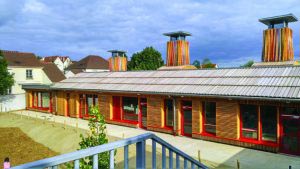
{"points": [[20, 148]]}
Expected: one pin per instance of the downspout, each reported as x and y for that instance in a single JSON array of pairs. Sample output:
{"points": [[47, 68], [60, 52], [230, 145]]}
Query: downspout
{"points": [[174, 116]]}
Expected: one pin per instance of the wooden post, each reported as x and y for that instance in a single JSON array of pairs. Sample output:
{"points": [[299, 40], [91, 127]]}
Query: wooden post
{"points": [[237, 164], [199, 156], [65, 124], [77, 126]]}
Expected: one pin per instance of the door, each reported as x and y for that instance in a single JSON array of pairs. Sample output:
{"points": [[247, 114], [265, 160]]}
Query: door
{"points": [[186, 120], [143, 111], [116, 108], [290, 141]]}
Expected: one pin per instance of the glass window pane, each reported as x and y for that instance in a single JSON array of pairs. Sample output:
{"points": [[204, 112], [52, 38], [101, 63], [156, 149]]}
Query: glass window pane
{"points": [[249, 117], [169, 112], [269, 123], [210, 117], [46, 99], [130, 108]]}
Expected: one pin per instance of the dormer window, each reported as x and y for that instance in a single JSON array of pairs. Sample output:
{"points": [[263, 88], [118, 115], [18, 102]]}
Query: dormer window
{"points": [[29, 74]]}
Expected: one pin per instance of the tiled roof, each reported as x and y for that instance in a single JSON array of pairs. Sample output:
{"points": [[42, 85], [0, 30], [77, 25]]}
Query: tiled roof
{"points": [[255, 82], [53, 73], [23, 59], [53, 58], [90, 62]]}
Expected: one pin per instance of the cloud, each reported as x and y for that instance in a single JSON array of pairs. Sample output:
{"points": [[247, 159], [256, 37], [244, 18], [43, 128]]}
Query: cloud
{"points": [[34, 6], [227, 32]]}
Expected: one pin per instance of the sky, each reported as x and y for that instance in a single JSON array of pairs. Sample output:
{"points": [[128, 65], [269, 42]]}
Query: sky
{"points": [[227, 32]]}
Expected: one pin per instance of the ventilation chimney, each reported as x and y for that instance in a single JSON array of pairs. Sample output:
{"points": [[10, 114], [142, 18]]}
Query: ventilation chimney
{"points": [[178, 52], [278, 39], [117, 61]]}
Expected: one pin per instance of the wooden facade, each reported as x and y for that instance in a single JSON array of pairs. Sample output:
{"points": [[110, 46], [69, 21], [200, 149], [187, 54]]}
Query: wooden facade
{"points": [[227, 115]]}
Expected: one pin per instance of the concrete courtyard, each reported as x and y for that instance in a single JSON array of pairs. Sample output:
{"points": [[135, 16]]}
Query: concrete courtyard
{"points": [[219, 154]]}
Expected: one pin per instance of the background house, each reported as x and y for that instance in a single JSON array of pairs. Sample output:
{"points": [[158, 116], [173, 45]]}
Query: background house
{"points": [[62, 62], [91, 63], [27, 69]]}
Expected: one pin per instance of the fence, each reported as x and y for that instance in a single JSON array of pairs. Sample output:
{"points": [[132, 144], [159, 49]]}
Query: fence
{"points": [[140, 141]]}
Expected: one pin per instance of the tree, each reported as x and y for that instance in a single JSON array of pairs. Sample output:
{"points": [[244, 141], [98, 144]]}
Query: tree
{"points": [[148, 59], [7, 79], [248, 64], [96, 137], [196, 63], [206, 63]]}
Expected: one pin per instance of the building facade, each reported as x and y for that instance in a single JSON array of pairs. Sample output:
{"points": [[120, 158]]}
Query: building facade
{"points": [[250, 107], [26, 70]]}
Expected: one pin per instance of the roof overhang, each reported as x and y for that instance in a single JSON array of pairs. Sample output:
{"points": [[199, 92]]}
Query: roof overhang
{"points": [[36, 86], [178, 33]]}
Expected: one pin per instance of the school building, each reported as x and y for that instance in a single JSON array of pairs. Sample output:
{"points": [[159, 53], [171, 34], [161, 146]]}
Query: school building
{"points": [[256, 107]]}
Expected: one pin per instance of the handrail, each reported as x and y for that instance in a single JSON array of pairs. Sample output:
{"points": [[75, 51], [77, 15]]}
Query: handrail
{"points": [[94, 151]]}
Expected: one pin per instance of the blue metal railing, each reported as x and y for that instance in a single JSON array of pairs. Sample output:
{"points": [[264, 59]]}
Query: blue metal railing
{"points": [[140, 142]]}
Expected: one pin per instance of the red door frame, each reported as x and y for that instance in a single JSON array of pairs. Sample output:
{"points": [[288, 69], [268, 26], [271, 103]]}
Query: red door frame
{"points": [[116, 108], [182, 117], [288, 117], [140, 113]]}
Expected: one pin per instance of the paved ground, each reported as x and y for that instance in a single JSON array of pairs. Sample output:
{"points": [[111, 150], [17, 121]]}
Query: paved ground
{"points": [[217, 153]]}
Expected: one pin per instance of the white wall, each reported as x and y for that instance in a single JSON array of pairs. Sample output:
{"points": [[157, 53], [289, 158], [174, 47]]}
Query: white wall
{"points": [[12, 102], [19, 73]]}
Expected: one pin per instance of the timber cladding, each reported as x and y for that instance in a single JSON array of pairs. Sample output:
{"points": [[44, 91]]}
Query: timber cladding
{"points": [[61, 103], [104, 105], [226, 119], [196, 116], [73, 104], [155, 115]]}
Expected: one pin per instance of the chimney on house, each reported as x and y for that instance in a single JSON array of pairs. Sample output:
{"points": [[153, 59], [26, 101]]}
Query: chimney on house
{"points": [[178, 52], [278, 39], [117, 61]]}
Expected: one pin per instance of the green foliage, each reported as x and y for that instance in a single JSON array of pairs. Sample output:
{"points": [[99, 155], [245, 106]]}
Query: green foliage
{"points": [[206, 63], [97, 136], [197, 64], [248, 64], [148, 59], [7, 79]]}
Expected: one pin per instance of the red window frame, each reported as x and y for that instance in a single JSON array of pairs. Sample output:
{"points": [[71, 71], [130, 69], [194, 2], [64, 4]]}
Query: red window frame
{"points": [[204, 132], [165, 114], [128, 114], [241, 125], [36, 98]]}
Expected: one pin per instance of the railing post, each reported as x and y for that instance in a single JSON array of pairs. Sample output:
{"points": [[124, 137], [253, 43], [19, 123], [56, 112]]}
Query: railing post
{"points": [[192, 165], [184, 163], [170, 159], [112, 159], [76, 164], [177, 161], [95, 161], [163, 157], [140, 155], [126, 166], [153, 154]]}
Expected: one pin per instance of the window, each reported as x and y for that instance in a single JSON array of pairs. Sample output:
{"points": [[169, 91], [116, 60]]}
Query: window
{"points": [[169, 113], [90, 100], [130, 108], [45, 99], [29, 74], [210, 117], [268, 116], [249, 121]]}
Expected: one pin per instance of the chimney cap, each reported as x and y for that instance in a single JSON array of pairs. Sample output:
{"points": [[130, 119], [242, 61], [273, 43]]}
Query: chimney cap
{"points": [[278, 19], [178, 33], [116, 51]]}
